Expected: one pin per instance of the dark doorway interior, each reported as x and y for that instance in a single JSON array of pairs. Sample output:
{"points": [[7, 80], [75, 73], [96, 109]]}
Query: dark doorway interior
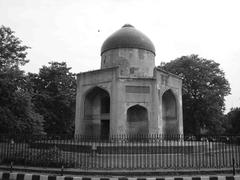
{"points": [[137, 118], [104, 129], [105, 104], [97, 112], [169, 113]]}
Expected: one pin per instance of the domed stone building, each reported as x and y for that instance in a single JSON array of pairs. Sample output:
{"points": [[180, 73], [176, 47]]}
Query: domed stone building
{"points": [[128, 95]]}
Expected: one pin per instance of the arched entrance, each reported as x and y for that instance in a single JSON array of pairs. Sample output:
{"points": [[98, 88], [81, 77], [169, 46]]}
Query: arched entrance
{"points": [[97, 112], [169, 113], [137, 120]]}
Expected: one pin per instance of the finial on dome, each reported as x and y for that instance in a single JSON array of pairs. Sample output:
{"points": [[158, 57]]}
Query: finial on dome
{"points": [[128, 25]]}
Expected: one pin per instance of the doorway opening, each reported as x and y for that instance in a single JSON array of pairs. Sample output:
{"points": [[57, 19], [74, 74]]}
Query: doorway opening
{"points": [[104, 129], [169, 114], [137, 120], [97, 112]]}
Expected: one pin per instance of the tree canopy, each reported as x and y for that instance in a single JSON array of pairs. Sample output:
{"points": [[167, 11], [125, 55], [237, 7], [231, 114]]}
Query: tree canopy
{"points": [[204, 89], [233, 121], [33, 103], [12, 52], [54, 96], [17, 111]]}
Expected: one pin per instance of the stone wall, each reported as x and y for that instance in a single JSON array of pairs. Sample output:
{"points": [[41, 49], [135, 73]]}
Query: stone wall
{"points": [[132, 62]]}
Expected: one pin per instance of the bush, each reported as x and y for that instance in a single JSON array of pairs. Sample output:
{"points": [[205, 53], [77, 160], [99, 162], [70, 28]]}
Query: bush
{"points": [[53, 157]]}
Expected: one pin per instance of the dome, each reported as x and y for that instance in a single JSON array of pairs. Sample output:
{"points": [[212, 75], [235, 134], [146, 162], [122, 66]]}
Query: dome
{"points": [[128, 37]]}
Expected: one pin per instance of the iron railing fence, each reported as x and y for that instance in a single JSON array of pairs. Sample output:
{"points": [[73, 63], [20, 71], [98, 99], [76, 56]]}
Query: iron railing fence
{"points": [[121, 151]]}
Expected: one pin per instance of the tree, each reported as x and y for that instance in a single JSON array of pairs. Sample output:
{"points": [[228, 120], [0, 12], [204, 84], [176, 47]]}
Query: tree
{"points": [[55, 93], [233, 121], [13, 53], [17, 111], [204, 89]]}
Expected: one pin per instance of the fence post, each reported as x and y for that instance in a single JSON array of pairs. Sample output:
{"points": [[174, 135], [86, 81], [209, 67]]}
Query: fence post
{"points": [[234, 172], [62, 169], [11, 166]]}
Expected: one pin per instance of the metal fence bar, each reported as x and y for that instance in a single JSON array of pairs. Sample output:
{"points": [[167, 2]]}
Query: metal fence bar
{"points": [[155, 151]]}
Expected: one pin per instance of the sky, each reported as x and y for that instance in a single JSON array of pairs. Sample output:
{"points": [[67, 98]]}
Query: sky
{"points": [[73, 31]]}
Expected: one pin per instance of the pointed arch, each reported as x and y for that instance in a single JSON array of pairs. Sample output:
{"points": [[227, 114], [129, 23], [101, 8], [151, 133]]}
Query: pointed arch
{"points": [[169, 113], [137, 120], [97, 112]]}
